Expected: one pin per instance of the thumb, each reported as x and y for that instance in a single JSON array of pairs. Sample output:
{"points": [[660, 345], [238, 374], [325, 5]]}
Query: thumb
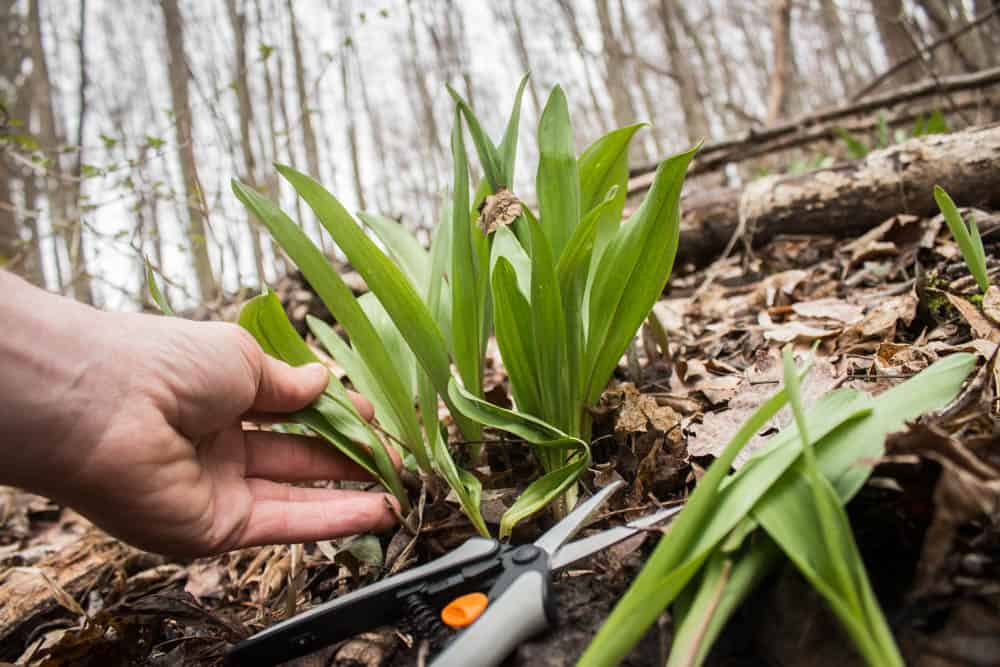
{"points": [[284, 388]]}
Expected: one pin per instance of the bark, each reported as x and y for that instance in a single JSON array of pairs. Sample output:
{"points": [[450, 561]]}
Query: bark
{"points": [[614, 68], [238, 23], [517, 34], [691, 103], [848, 198], [75, 238], [841, 55], [11, 250], [639, 77], [352, 130], [889, 17], [308, 132], [597, 108], [989, 32], [51, 139], [781, 67], [374, 116], [733, 91], [430, 129], [179, 75]]}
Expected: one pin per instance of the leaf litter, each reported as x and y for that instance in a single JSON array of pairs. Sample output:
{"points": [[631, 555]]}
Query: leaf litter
{"points": [[878, 310]]}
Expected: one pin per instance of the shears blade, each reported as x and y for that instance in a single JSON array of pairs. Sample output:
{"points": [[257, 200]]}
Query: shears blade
{"points": [[587, 546]]}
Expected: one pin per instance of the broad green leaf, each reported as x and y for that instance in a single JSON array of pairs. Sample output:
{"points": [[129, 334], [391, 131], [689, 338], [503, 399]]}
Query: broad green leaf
{"points": [[556, 368], [515, 337], [632, 273], [465, 301], [404, 249], [489, 158], [558, 181], [437, 290], [971, 246], [154, 291], [575, 259], [506, 246], [507, 151], [603, 166]]}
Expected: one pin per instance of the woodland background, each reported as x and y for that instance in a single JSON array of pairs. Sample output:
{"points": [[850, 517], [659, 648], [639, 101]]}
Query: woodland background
{"points": [[122, 123]]}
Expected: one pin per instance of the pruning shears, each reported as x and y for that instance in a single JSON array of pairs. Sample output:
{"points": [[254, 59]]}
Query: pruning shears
{"points": [[495, 595]]}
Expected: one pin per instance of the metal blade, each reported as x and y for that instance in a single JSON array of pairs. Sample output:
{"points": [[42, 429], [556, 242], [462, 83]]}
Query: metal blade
{"points": [[558, 534], [588, 546]]}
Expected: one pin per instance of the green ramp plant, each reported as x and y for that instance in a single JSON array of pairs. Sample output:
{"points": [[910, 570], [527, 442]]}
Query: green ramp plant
{"points": [[736, 527], [967, 237], [564, 291]]}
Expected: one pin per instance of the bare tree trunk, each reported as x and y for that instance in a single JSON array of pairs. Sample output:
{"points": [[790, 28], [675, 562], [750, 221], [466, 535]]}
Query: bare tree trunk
{"points": [[941, 18], [839, 51], [347, 46], [781, 68], [384, 191], [52, 140], [517, 34], [614, 68], [433, 137], [692, 105], [734, 101], [989, 32], [179, 75], [597, 109], [640, 78], [889, 17], [10, 236], [308, 133], [238, 22], [76, 240]]}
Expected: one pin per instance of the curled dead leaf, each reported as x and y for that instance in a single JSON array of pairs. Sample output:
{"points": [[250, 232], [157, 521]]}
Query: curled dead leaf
{"points": [[498, 210]]}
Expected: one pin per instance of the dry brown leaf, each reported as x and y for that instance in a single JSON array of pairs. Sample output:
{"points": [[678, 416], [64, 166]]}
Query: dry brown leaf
{"points": [[205, 579], [717, 428], [796, 330], [499, 210], [831, 309], [638, 410], [881, 320], [981, 327]]}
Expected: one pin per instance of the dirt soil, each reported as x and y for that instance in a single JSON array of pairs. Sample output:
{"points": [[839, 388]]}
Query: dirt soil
{"points": [[881, 307]]}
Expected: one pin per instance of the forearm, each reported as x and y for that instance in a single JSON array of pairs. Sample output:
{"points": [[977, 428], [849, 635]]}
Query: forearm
{"points": [[49, 347]]}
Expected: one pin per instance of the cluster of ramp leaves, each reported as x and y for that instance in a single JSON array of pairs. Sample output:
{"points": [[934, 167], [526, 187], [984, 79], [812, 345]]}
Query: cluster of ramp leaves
{"points": [[563, 291]]}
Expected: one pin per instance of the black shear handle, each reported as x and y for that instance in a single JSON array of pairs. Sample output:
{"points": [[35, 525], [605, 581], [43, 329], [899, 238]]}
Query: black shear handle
{"points": [[348, 615], [517, 615]]}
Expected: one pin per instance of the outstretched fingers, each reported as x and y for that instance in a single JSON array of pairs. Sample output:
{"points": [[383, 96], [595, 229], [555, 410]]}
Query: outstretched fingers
{"points": [[286, 514]]}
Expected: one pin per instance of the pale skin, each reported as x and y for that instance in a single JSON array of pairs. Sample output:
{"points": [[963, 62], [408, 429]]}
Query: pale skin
{"points": [[137, 422]]}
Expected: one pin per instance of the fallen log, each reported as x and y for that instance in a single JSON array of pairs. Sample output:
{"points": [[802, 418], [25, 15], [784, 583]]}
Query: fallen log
{"points": [[849, 198]]}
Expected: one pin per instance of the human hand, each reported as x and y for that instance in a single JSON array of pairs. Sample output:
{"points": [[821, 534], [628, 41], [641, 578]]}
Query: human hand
{"points": [[148, 442]]}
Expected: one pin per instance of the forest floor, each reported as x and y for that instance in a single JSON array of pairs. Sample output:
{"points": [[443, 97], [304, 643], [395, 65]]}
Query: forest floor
{"points": [[882, 307]]}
